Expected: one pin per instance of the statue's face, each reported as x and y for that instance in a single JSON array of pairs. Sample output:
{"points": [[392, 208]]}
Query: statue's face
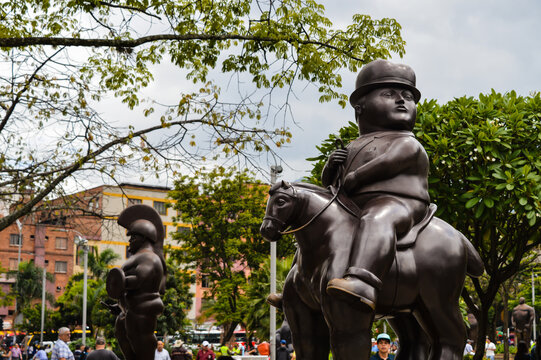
{"points": [[136, 242], [388, 108]]}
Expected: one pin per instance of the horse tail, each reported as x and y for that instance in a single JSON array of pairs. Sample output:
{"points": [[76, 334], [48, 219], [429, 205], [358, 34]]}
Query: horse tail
{"points": [[475, 266]]}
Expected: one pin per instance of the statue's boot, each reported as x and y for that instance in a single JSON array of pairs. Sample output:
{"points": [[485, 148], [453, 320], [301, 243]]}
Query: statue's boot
{"points": [[353, 288], [275, 300]]}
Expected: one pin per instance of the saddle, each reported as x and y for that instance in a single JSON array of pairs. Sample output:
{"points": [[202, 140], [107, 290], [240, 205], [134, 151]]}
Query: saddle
{"points": [[405, 241]]}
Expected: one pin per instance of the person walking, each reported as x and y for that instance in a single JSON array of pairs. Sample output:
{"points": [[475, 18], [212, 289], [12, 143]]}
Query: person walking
{"points": [[101, 353], [282, 353], [161, 353], [16, 353], [61, 351], [40, 354], [490, 348], [179, 352], [205, 353]]}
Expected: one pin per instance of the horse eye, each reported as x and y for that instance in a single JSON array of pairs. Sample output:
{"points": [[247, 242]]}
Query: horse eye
{"points": [[280, 202]]}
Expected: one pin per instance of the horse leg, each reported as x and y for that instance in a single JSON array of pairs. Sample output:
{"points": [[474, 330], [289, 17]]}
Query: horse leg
{"points": [[445, 325], [350, 329], [414, 342], [309, 330]]}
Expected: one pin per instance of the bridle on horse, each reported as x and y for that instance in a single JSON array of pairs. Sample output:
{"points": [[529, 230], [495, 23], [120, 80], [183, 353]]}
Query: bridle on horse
{"points": [[339, 144], [287, 231]]}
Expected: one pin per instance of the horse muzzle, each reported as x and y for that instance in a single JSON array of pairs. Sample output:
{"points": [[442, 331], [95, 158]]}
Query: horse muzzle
{"points": [[270, 231]]}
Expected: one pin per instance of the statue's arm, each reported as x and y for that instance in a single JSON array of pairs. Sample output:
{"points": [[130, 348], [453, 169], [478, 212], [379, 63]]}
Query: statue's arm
{"points": [[136, 277], [337, 158], [399, 157]]}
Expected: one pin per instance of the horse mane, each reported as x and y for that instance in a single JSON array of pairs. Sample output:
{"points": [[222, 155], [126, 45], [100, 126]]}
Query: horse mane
{"points": [[298, 185], [310, 187]]}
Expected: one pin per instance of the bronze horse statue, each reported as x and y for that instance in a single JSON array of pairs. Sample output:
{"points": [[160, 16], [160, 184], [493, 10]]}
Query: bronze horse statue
{"points": [[419, 296]]}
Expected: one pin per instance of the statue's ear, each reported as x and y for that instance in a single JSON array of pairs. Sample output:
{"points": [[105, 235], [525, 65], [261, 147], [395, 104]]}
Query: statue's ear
{"points": [[285, 184]]}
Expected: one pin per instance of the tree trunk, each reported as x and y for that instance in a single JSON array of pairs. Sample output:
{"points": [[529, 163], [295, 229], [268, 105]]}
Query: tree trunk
{"points": [[229, 330], [481, 332], [505, 311]]}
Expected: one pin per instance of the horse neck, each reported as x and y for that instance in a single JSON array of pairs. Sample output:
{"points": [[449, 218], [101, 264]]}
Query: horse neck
{"points": [[310, 204]]}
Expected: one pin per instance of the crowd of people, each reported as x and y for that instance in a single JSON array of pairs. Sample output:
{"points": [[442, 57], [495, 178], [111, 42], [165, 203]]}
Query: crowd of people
{"points": [[60, 350]]}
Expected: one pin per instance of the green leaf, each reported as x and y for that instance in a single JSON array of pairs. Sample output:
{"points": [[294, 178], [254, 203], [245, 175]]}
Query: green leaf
{"points": [[472, 202]]}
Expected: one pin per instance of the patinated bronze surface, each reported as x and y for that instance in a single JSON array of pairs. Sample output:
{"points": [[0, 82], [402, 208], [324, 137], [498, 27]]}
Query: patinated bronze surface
{"points": [[370, 245], [138, 284], [522, 319], [420, 292]]}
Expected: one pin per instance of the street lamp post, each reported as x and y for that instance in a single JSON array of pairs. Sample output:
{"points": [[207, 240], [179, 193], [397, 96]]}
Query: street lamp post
{"points": [[275, 170], [20, 244], [20, 226], [43, 286], [80, 241]]}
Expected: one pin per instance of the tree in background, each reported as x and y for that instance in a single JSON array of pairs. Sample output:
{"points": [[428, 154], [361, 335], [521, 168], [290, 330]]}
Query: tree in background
{"points": [[5, 299], [176, 300], [224, 209], [28, 285], [60, 59], [99, 263], [485, 177], [32, 319], [258, 316]]}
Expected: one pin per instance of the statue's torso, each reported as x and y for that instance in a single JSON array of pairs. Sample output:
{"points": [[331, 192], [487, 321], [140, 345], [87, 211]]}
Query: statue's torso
{"points": [[411, 182]]}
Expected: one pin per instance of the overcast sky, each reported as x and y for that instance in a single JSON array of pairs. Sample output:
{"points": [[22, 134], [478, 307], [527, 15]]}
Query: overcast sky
{"points": [[459, 47]]}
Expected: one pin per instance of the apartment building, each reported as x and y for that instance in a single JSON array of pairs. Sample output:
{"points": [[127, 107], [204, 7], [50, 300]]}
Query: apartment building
{"points": [[50, 234]]}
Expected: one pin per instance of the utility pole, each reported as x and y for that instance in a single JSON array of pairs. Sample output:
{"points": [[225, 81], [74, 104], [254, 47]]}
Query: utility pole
{"points": [[20, 244], [80, 241], [275, 170], [43, 287]]}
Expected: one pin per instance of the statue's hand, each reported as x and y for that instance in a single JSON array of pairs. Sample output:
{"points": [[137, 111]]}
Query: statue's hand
{"points": [[338, 157], [113, 308]]}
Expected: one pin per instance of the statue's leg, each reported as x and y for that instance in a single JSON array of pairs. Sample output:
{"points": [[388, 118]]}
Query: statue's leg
{"points": [[374, 248], [414, 342], [440, 317], [141, 334], [309, 331], [350, 329], [122, 338]]}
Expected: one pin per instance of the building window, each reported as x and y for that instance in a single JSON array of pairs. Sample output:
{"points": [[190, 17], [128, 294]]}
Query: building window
{"points": [[205, 282], [61, 243], [13, 239], [159, 206], [12, 264], [60, 267], [183, 229], [134, 202]]}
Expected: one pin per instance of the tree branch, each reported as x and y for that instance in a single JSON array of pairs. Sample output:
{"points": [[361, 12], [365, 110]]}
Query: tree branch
{"points": [[126, 7], [120, 43]]}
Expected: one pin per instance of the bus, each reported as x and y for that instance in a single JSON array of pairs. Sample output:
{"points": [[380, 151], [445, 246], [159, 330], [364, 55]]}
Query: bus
{"points": [[195, 337]]}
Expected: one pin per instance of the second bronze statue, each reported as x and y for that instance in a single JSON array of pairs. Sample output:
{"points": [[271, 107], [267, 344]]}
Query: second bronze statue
{"points": [[139, 283]]}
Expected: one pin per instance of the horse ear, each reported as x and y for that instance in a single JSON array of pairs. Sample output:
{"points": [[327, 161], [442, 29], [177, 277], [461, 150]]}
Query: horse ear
{"points": [[285, 184]]}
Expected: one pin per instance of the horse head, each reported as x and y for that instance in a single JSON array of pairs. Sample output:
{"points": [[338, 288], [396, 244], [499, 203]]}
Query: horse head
{"points": [[280, 210]]}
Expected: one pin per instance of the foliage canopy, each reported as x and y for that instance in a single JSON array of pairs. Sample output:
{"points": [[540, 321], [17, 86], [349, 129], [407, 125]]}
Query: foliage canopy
{"points": [[485, 177], [60, 59], [224, 209]]}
